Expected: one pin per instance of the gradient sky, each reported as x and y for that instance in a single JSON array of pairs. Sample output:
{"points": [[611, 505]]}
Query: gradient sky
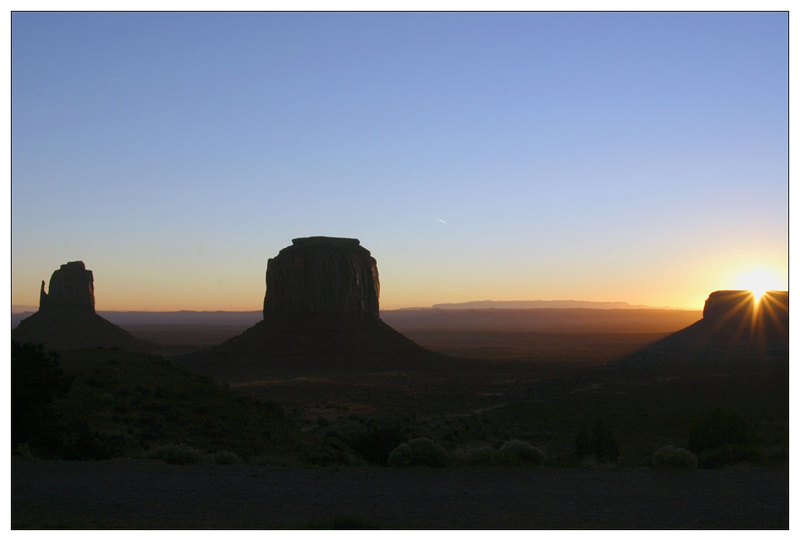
{"points": [[595, 156]]}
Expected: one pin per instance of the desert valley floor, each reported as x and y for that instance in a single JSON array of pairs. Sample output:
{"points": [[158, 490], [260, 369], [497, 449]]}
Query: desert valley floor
{"points": [[538, 385]]}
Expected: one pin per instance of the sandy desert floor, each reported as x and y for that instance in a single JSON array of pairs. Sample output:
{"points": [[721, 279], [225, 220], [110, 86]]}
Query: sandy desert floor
{"points": [[134, 494]]}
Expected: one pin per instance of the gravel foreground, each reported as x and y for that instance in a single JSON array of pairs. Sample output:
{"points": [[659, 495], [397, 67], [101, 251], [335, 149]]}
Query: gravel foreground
{"points": [[140, 494]]}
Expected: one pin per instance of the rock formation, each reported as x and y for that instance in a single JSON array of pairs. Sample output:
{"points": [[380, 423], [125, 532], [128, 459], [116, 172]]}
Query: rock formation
{"points": [[320, 312], [323, 275], [71, 288], [723, 305], [735, 326], [742, 308], [67, 319]]}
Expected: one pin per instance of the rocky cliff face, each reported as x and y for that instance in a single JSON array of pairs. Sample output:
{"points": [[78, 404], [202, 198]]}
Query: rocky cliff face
{"points": [[724, 305], [71, 288], [322, 276], [740, 307]]}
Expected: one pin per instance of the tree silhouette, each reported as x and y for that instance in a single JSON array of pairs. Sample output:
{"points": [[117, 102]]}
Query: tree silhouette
{"points": [[37, 379]]}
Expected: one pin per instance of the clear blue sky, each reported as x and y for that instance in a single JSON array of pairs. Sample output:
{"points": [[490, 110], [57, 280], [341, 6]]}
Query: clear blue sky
{"points": [[596, 156]]}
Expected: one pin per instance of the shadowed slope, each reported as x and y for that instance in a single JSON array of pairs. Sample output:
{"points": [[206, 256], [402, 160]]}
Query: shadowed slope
{"points": [[302, 343], [62, 331]]}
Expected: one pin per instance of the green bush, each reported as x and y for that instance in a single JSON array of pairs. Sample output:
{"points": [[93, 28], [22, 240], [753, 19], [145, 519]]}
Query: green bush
{"points": [[674, 458], [87, 444], [419, 452], [473, 457], [376, 444], [225, 458], [729, 454], [518, 453], [720, 438], [37, 381], [600, 445], [176, 454]]}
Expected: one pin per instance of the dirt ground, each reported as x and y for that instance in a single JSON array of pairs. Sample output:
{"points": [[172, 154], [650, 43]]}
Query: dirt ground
{"points": [[138, 494]]}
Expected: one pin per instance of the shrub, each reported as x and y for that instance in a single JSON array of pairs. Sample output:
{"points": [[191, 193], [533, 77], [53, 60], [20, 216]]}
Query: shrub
{"points": [[473, 457], [176, 454], [601, 445], [729, 454], [87, 444], [674, 458], [720, 438], [419, 452], [518, 453], [224, 458], [716, 429], [375, 444], [37, 380]]}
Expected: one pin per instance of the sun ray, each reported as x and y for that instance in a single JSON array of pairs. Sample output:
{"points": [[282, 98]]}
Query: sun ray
{"points": [[759, 281]]}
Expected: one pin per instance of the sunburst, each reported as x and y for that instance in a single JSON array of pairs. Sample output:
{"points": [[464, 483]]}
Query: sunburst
{"points": [[758, 281]]}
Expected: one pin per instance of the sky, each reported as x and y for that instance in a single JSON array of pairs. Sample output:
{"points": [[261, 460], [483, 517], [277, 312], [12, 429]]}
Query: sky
{"points": [[638, 157]]}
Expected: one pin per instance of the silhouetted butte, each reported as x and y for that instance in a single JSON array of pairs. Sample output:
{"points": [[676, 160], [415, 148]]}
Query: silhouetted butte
{"points": [[320, 312], [67, 319], [736, 326]]}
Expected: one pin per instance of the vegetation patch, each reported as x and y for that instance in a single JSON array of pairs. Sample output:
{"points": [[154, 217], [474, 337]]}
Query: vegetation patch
{"points": [[419, 452], [518, 453], [597, 445], [674, 458], [176, 454], [721, 438], [476, 456], [103, 403]]}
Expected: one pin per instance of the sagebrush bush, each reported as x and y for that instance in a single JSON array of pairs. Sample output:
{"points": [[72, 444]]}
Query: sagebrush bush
{"points": [[419, 452], [718, 428], [599, 446], [376, 444], [720, 438], [729, 454], [224, 458], [176, 454], [518, 453], [473, 457], [674, 458]]}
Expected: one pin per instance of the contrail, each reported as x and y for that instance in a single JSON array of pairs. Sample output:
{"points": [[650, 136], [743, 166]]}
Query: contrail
{"points": [[442, 221]]}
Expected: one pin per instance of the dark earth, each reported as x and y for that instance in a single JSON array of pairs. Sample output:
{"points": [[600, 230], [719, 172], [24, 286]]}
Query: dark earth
{"points": [[139, 494]]}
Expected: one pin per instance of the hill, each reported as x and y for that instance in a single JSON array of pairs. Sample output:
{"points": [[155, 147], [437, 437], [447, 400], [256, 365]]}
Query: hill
{"points": [[134, 404]]}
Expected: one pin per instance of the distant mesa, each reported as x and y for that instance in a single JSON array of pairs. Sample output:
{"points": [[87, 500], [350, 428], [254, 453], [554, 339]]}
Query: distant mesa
{"points": [[67, 319], [527, 305], [736, 325], [320, 311]]}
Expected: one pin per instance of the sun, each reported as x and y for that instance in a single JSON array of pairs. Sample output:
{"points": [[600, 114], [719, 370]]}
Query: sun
{"points": [[758, 281]]}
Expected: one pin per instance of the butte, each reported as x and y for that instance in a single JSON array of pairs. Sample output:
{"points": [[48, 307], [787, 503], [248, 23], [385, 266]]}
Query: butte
{"points": [[67, 319], [736, 326], [320, 313]]}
